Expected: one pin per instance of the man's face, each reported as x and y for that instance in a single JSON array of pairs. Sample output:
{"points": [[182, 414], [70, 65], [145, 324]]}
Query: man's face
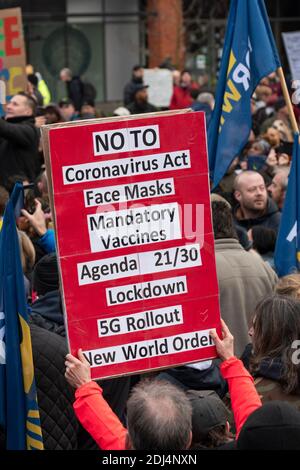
{"points": [[87, 109], [67, 111], [186, 79], [18, 107], [273, 136], [64, 77], [141, 96], [275, 189], [255, 149], [139, 73], [252, 194]]}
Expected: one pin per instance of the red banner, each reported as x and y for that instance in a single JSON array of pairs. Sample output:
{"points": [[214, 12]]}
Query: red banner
{"points": [[135, 242]]}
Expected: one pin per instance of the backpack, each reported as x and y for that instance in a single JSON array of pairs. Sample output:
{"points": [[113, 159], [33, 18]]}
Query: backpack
{"points": [[89, 91]]}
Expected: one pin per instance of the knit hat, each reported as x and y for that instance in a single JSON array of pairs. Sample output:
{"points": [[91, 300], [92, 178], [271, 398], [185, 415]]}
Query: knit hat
{"points": [[45, 275], [274, 426], [208, 412]]}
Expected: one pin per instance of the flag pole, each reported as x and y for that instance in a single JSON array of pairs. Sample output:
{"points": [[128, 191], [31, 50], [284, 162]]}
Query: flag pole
{"points": [[288, 100]]}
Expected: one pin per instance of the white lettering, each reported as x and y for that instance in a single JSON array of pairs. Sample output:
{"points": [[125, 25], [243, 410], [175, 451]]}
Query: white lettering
{"points": [[126, 140]]}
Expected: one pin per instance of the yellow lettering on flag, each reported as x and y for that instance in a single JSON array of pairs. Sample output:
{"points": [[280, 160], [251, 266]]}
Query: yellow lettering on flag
{"points": [[234, 95], [232, 61], [26, 355]]}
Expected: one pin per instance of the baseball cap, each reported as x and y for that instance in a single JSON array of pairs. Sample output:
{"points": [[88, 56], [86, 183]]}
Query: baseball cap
{"points": [[139, 86], [208, 412]]}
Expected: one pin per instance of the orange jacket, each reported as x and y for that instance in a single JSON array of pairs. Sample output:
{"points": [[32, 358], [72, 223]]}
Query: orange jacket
{"points": [[243, 394], [104, 426], [97, 417]]}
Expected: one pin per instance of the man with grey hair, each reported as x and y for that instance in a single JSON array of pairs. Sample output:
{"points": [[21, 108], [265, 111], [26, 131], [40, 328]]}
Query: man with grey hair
{"points": [[279, 184], [159, 415], [254, 206], [160, 428], [206, 98], [75, 88]]}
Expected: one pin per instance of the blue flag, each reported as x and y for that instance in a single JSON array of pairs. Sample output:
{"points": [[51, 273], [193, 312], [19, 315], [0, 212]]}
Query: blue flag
{"points": [[19, 412], [287, 251], [249, 54]]}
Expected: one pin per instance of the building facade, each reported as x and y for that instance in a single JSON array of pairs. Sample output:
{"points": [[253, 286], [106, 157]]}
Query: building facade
{"points": [[101, 40]]}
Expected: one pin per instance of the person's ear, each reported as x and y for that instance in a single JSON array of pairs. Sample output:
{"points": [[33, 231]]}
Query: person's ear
{"points": [[237, 195], [128, 443]]}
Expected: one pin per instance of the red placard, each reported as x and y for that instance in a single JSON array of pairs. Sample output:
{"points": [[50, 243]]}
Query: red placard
{"points": [[134, 238]]}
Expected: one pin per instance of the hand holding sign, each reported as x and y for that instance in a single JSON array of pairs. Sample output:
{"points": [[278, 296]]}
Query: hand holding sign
{"points": [[224, 346], [77, 370]]}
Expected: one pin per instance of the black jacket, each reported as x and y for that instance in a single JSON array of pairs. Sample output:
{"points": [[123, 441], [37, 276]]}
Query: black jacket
{"points": [[19, 141], [47, 313], [271, 219], [189, 378], [75, 90], [140, 108], [129, 90]]}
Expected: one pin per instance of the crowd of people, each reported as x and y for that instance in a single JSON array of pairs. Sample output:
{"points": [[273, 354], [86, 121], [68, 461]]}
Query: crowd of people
{"points": [[248, 398]]}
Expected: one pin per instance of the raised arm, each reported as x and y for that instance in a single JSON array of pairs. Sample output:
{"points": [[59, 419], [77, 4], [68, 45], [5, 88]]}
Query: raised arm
{"points": [[243, 394]]}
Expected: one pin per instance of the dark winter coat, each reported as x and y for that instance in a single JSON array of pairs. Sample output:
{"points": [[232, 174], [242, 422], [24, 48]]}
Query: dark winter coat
{"points": [[47, 313], [75, 90], [19, 141], [129, 90], [271, 218], [140, 108]]}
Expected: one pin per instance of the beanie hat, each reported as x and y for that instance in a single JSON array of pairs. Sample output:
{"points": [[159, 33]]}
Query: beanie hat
{"points": [[45, 275], [274, 426]]}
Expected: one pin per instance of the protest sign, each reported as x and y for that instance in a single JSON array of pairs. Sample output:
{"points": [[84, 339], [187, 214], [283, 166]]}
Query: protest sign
{"points": [[12, 54], [291, 42], [160, 82], [131, 203]]}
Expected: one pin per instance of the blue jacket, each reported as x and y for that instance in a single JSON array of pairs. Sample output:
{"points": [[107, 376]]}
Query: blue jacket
{"points": [[47, 241]]}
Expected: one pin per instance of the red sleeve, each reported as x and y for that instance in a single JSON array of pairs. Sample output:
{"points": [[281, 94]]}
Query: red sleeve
{"points": [[97, 417], [243, 394], [173, 103]]}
